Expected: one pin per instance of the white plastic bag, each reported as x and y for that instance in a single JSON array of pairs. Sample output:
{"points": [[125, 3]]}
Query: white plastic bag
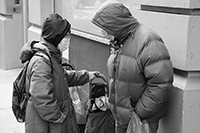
{"points": [[80, 106], [136, 126]]}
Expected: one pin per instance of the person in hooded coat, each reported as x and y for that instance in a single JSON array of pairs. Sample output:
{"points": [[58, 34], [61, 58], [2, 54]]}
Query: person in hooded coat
{"points": [[50, 109], [140, 69]]}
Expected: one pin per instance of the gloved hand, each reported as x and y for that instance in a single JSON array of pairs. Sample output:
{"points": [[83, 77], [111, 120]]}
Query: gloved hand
{"points": [[93, 74]]}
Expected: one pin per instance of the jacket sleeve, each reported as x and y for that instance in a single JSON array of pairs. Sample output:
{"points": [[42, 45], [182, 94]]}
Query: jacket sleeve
{"points": [[158, 71], [41, 89], [77, 78]]}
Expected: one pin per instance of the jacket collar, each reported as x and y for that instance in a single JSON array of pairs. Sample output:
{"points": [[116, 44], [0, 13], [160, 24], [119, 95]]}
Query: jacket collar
{"points": [[55, 52]]}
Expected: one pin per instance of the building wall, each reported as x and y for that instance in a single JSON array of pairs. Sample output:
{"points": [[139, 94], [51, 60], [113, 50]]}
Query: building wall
{"points": [[11, 34], [178, 24], [88, 54], [179, 31]]}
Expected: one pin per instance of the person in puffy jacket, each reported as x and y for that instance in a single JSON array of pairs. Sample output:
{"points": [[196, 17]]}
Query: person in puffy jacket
{"points": [[50, 109], [140, 69]]}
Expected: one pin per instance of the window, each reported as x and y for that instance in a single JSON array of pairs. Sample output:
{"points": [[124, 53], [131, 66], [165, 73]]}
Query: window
{"points": [[80, 13]]}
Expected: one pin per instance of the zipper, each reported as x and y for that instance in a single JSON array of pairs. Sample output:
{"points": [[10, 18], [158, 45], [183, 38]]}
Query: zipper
{"points": [[115, 75]]}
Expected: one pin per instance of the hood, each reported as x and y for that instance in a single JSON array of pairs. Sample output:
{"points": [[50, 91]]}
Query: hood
{"points": [[29, 49], [116, 19], [55, 28]]}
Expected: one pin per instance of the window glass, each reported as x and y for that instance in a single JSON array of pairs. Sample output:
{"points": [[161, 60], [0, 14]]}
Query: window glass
{"points": [[80, 13], [84, 11]]}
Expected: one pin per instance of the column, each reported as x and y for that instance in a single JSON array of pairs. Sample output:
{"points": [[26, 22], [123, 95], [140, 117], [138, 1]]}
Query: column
{"points": [[177, 21], [38, 11], [11, 33]]}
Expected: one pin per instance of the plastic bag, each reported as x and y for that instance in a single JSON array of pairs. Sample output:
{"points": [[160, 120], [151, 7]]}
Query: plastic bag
{"points": [[80, 106], [136, 126], [76, 100]]}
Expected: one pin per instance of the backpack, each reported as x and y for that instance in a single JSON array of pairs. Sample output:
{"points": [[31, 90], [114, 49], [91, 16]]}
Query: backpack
{"points": [[20, 96]]}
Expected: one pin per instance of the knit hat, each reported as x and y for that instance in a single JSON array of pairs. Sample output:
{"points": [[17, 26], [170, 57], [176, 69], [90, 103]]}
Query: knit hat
{"points": [[55, 28]]}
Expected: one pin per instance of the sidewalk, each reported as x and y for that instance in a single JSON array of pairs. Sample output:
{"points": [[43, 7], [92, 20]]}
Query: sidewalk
{"points": [[8, 123]]}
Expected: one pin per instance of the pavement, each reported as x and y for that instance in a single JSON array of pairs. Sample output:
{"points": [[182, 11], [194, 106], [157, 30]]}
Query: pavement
{"points": [[8, 123]]}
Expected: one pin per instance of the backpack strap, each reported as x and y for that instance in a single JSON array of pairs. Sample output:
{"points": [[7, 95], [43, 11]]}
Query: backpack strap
{"points": [[37, 54], [45, 53]]}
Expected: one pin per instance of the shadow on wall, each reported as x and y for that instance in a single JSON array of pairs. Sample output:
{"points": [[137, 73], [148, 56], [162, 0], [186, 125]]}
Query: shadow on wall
{"points": [[172, 121]]}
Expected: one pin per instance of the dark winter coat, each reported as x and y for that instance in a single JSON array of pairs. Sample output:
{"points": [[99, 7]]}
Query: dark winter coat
{"points": [[50, 108], [141, 72]]}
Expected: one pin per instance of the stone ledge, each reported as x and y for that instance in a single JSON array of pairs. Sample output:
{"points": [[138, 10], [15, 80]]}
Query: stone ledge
{"points": [[34, 33], [172, 10], [170, 3]]}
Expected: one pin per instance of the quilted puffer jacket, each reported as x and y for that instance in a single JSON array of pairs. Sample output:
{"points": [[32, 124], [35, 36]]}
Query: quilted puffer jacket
{"points": [[49, 108], [141, 71]]}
